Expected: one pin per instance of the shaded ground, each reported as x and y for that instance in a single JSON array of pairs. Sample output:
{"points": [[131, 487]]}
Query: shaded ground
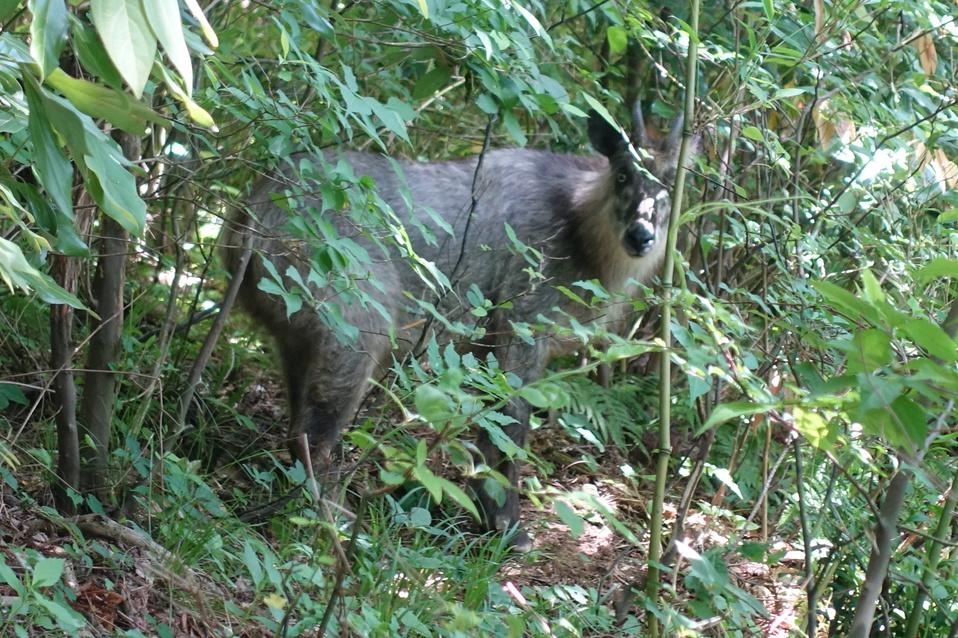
{"points": [[598, 557]]}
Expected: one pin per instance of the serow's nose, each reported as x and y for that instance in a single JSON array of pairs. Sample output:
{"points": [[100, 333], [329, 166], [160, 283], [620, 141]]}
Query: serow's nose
{"points": [[639, 238]]}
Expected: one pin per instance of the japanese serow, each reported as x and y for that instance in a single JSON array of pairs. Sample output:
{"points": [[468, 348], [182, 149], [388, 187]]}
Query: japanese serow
{"points": [[601, 217]]}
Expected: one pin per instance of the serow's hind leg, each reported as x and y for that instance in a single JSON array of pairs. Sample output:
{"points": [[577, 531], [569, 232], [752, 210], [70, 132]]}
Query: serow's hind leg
{"points": [[501, 509]]}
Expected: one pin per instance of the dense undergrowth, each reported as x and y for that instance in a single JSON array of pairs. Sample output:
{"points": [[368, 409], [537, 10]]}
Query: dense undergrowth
{"points": [[812, 472]]}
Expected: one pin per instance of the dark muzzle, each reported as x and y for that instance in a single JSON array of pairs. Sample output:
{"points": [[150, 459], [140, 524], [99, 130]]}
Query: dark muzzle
{"points": [[639, 238]]}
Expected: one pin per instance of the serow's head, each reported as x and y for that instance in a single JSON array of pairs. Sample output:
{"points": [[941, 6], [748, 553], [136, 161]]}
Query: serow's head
{"points": [[641, 201]]}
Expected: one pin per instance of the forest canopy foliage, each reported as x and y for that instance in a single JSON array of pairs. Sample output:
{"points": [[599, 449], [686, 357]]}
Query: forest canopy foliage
{"points": [[807, 479]]}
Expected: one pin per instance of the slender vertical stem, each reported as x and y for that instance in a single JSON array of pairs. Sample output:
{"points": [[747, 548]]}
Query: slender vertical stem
{"points": [[811, 606], [665, 375], [934, 555]]}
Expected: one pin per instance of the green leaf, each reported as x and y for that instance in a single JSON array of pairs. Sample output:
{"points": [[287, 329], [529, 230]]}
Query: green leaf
{"points": [[769, 7], [912, 419], [164, 19], [117, 197], [847, 202], [65, 616], [16, 272], [568, 516], [871, 350], [8, 576], [873, 291], [47, 572], [197, 12], [753, 133], [844, 301], [950, 215], [107, 180], [93, 56], [128, 39], [618, 39], [430, 481], [110, 104], [431, 82], [932, 338], [50, 165], [8, 8], [10, 393], [534, 396], [48, 33], [459, 496], [252, 562], [432, 404], [732, 410], [811, 426], [420, 517], [938, 267], [424, 8]]}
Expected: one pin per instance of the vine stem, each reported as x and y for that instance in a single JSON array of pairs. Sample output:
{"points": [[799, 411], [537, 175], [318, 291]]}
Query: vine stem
{"points": [[665, 375]]}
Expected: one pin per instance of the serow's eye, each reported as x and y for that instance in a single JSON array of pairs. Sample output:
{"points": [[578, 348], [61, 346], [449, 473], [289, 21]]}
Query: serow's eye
{"points": [[621, 177]]}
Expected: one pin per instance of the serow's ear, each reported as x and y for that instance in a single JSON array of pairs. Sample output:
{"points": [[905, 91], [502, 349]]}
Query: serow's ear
{"points": [[668, 157], [604, 137]]}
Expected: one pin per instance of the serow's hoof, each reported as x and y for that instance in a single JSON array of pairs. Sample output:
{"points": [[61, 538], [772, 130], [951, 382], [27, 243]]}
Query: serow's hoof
{"points": [[520, 541]]}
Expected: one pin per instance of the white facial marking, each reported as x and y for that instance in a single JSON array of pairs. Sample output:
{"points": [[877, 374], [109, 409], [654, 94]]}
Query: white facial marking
{"points": [[647, 206], [646, 225], [661, 195]]}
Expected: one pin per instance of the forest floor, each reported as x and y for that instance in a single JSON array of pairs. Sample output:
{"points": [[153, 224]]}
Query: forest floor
{"points": [[133, 581]]}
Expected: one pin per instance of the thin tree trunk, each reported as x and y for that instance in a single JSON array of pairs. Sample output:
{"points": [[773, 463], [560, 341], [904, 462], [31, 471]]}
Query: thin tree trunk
{"points": [[886, 528], [99, 389], [64, 271]]}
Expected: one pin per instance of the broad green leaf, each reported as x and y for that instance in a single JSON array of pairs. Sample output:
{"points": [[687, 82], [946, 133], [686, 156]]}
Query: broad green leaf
{"points": [[108, 181], [8, 576], [873, 291], [811, 426], [93, 56], [459, 496], [424, 9], [932, 338], [66, 617], [432, 404], [197, 113], [197, 12], [48, 33], [950, 215], [842, 300], [733, 410], [118, 198], [430, 481], [568, 516], [10, 393], [534, 396], [938, 267], [618, 39], [871, 349], [753, 133], [912, 419], [50, 165], [8, 8], [47, 572], [253, 566], [110, 104], [164, 19], [128, 39], [431, 82]]}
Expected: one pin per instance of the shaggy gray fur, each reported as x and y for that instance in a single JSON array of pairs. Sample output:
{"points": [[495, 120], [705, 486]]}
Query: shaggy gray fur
{"points": [[589, 217]]}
